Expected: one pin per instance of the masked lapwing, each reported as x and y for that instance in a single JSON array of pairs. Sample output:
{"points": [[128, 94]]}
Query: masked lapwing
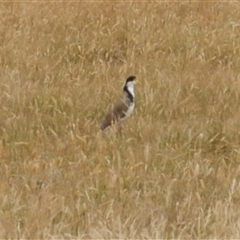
{"points": [[122, 108]]}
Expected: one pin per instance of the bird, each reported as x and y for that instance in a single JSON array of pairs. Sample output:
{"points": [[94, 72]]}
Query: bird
{"points": [[123, 107]]}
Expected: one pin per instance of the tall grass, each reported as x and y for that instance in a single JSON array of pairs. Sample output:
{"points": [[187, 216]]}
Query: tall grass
{"points": [[174, 172]]}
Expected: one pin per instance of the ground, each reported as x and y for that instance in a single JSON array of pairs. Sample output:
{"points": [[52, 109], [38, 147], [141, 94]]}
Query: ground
{"points": [[172, 173]]}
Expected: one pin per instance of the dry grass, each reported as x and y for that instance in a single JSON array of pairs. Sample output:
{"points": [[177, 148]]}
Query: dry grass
{"points": [[174, 172]]}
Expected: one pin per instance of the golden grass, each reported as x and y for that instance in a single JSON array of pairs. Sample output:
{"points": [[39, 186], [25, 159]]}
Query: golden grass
{"points": [[174, 172]]}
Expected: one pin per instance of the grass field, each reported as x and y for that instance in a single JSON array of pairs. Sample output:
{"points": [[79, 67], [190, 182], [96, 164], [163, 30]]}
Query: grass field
{"points": [[173, 173]]}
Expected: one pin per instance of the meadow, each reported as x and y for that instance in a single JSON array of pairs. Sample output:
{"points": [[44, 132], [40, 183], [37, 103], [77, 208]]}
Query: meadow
{"points": [[174, 172]]}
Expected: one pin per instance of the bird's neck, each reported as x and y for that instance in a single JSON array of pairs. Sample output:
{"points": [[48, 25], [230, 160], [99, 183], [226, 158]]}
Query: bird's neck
{"points": [[129, 90]]}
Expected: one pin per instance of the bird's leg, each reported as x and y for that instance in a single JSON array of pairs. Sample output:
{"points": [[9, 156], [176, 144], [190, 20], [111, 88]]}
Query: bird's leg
{"points": [[119, 130]]}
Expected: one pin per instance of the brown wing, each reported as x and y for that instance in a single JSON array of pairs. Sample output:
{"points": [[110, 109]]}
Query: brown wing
{"points": [[119, 110]]}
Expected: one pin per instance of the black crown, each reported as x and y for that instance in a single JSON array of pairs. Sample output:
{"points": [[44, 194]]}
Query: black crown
{"points": [[130, 79]]}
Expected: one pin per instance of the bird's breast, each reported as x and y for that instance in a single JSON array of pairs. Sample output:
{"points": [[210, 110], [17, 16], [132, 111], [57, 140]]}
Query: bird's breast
{"points": [[129, 111]]}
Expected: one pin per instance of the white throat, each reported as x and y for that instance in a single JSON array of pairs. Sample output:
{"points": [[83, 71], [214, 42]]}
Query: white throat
{"points": [[130, 87]]}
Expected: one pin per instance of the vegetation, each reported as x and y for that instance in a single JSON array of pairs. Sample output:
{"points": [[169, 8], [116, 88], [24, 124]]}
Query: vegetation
{"points": [[173, 173]]}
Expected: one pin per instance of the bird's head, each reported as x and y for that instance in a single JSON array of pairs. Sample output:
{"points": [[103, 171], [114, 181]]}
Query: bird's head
{"points": [[131, 81]]}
